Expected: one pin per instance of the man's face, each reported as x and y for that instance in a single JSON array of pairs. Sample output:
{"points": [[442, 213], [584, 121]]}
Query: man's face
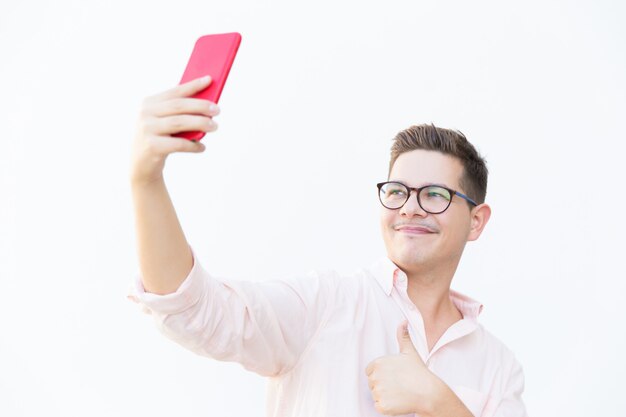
{"points": [[417, 240]]}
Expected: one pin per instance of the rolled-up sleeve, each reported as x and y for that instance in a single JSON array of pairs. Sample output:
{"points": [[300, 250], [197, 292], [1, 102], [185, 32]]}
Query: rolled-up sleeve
{"points": [[264, 326]]}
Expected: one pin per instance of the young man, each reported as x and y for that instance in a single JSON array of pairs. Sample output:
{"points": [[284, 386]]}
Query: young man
{"points": [[392, 339]]}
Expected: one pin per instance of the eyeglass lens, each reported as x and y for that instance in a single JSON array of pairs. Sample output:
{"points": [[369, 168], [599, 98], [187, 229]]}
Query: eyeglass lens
{"points": [[432, 199]]}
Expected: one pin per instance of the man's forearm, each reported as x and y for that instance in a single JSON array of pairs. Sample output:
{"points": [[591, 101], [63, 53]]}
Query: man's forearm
{"points": [[165, 258]]}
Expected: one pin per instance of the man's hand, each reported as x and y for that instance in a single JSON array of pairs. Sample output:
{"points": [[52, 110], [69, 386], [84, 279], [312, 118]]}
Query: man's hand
{"points": [[402, 384], [163, 115]]}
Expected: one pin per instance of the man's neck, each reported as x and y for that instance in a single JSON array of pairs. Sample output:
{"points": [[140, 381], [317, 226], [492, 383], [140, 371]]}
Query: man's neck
{"points": [[431, 295], [430, 292]]}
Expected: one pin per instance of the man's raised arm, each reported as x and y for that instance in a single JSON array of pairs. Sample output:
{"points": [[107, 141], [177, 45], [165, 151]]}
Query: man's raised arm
{"points": [[264, 326], [165, 258]]}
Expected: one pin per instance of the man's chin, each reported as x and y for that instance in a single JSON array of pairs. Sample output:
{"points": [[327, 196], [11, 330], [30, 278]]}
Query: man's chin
{"points": [[409, 261]]}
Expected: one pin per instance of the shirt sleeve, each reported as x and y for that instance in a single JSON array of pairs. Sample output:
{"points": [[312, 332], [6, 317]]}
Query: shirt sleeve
{"points": [[510, 404], [264, 326]]}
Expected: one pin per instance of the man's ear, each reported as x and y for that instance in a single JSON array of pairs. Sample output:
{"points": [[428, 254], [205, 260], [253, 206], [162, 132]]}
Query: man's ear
{"points": [[479, 217]]}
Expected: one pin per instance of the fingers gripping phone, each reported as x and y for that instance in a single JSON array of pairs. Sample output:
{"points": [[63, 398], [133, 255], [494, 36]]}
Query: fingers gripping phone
{"points": [[212, 55]]}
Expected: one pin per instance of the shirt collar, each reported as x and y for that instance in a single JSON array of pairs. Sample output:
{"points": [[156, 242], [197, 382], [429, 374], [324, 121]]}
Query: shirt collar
{"points": [[469, 307], [386, 272]]}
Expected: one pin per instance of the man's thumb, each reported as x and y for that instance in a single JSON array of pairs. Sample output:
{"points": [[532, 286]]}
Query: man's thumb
{"points": [[404, 340]]}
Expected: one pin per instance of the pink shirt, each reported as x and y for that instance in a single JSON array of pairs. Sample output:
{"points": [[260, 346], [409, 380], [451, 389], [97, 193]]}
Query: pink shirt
{"points": [[314, 336]]}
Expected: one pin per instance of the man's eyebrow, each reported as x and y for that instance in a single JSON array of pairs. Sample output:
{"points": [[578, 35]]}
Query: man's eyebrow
{"points": [[426, 184]]}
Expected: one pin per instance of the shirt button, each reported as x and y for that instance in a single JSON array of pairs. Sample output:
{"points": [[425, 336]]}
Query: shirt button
{"points": [[411, 307], [401, 279]]}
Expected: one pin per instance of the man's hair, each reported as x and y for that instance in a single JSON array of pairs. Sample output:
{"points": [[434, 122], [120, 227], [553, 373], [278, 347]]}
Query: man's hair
{"points": [[449, 142]]}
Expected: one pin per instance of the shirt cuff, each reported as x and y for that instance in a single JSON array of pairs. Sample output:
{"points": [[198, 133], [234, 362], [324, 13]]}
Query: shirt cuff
{"points": [[187, 294]]}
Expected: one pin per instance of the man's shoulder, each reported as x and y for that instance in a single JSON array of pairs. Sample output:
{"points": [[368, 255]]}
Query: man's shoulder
{"points": [[492, 345], [487, 341]]}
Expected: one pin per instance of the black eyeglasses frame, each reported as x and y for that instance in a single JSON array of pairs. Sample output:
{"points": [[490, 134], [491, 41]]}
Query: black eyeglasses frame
{"points": [[417, 195]]}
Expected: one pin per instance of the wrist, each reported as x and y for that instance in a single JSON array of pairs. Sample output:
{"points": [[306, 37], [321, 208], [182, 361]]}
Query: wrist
{"points": [[140, 182], [146, 170], [140, 176], [436, 399], [444, 403]]}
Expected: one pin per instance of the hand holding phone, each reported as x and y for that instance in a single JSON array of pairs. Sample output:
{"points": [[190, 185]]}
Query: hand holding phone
{"points": [[212, 55]]}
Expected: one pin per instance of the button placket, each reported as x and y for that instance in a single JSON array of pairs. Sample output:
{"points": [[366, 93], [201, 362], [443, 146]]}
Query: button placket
{"points": [[416, 323]]}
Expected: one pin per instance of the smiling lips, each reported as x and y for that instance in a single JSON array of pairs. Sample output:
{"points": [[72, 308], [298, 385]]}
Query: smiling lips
{"points": [[414, 230]]}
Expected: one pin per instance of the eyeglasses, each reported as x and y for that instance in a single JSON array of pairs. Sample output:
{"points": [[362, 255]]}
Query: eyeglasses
{"points": [[433, 199]]}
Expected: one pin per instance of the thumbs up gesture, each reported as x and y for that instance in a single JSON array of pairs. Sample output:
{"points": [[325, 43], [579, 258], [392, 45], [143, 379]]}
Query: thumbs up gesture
{"points": [[402, 384]]}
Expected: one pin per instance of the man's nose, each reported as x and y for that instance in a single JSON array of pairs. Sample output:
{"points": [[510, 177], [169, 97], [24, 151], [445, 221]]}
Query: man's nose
{"points": [[411, 207]]}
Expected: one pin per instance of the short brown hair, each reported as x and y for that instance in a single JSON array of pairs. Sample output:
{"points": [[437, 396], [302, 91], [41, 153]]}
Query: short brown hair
{"points": [[449, 142]]}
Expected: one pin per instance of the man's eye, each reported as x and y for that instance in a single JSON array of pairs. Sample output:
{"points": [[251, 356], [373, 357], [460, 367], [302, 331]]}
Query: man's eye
{"points": [[396, 193], [437, 193]]}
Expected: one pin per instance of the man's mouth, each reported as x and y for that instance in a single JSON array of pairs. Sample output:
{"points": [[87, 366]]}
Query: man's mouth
{"points": [[414, 229]]}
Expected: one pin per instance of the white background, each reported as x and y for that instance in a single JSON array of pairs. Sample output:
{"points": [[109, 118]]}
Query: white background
{"points": [[315, 96]]}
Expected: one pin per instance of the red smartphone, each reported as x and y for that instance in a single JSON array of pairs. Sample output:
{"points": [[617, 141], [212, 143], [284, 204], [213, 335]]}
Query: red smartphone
{"points": [[212, 55]]}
